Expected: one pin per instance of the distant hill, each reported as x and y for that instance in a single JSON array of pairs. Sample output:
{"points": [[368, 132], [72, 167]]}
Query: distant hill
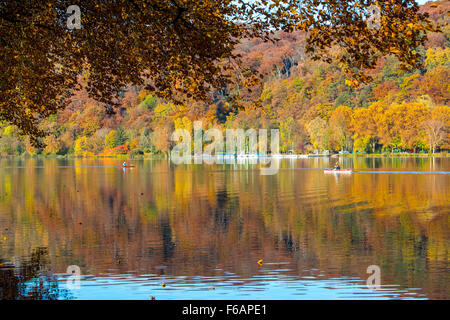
{"points": [[310, 102]]}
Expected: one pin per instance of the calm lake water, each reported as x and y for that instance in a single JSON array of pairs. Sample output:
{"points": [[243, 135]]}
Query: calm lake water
{"points": [[201, 229]]}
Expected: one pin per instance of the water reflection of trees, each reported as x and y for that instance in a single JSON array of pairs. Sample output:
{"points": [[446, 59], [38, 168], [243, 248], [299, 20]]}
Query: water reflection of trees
{"points": [[192, 220], [29, 279]]}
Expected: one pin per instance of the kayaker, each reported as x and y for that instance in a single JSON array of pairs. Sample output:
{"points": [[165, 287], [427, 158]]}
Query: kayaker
{"points": [[337, 166], [124, 164]]}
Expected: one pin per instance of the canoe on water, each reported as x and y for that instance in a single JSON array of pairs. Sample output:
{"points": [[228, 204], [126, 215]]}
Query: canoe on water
{"points": [[127, 166], [337, 171]]}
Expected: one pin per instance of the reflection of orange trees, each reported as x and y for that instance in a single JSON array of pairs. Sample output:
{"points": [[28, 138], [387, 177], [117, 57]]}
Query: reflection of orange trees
{"points": [[196, 218]]}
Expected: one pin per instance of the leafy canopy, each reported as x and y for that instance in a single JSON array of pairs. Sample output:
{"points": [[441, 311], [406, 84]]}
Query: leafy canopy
{"points": [[176, 48]]}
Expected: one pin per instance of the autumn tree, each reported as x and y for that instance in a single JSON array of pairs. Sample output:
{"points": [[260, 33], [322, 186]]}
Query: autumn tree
{"points": [[81, 146], [435, 131], [436, 127], [340, 128], [161, 139], [145, 140], [111, 140], [52, 144], [120, 136], [177, 48], [405, 123], [438, 86], [318, 132], [364, 128]]}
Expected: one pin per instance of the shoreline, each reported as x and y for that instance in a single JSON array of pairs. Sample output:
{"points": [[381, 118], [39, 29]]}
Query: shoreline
{"points": [[281, 156]]}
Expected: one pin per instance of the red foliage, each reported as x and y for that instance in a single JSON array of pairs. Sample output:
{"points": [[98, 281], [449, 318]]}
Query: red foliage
{"points": [[122, 149]]}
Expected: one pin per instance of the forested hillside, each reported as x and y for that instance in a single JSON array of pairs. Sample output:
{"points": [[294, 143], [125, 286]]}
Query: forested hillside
{"points": [[311, 102]]}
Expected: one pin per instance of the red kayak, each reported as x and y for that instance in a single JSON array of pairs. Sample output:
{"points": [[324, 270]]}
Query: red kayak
{"points": [[127, 166], [337, 171]]}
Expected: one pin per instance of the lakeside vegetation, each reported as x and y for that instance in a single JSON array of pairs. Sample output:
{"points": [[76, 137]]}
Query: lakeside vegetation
{"points": [[312, 103], [158, 156]]}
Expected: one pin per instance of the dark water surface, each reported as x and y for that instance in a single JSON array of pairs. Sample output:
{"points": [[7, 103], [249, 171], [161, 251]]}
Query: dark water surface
{"points": [[195, 227]]}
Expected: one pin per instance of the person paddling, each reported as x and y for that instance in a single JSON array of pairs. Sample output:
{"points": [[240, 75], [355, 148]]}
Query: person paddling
{"points": [[337, 166], [124, 164]]}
